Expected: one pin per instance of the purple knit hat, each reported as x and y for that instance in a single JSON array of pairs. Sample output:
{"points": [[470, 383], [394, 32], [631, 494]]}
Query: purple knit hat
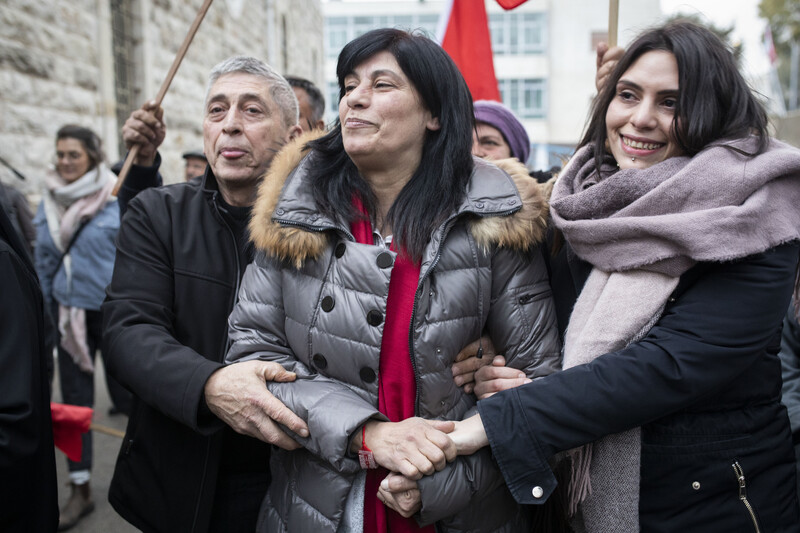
{"points": [[499, 116]]}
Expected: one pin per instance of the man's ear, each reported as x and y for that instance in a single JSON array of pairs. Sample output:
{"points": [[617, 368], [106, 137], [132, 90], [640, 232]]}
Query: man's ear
{"points": [[295, 131], [320, 125], [433, 124]]}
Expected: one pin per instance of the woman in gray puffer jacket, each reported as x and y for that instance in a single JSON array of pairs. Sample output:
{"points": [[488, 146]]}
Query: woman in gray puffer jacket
{"points": [[384, 248]]}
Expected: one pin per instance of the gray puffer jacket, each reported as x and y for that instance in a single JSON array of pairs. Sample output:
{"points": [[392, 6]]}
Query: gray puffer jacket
{"points": [[312, 302]]}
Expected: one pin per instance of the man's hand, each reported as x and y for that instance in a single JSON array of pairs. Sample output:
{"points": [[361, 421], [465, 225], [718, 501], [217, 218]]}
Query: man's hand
{"points": [[401, 494], [413, 447], [607, 59], [145, 128], [497, 377], [237, 394], [467, 362]]}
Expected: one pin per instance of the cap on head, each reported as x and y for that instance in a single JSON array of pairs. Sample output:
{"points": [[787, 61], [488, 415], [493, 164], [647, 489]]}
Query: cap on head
{"points": [[499, 116], [198, 154]]}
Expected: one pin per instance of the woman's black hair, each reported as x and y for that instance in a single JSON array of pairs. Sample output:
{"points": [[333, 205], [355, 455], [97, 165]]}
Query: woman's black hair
{"points": [[88, 139], [439, 184], [714, 101]]}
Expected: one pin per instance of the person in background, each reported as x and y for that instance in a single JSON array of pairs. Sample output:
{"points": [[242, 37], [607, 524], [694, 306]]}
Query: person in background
{"points": [[76, 224], [498, 133], [193, 459], [680, 224], [311, 102], [28, 492], [196, 164]]}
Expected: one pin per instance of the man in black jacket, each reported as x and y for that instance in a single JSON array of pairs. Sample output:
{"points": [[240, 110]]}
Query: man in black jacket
{"points": [[181, 252], [28, 497]]}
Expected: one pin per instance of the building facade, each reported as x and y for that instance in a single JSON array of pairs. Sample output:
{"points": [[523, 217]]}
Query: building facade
{"points": [[91, 62], [544, 56]]}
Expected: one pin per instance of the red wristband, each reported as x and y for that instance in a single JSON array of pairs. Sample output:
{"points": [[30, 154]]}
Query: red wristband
{"points": [[365, 456]]}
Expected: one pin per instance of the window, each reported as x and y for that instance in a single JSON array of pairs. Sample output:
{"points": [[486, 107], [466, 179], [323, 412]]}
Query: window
{"points": [[515, 33], [341, 30], [525, 97], [333, 99]]}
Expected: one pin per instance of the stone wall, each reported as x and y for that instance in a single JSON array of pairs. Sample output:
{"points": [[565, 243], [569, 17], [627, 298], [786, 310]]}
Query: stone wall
{"points": [[57, 67]]}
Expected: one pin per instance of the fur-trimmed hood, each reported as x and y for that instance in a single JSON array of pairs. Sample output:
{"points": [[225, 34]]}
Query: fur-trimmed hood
{"points": [[286, 223]]}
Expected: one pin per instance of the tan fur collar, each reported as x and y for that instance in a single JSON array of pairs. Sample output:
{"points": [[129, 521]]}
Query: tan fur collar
{"points": [[525, 228], [519, 231]]}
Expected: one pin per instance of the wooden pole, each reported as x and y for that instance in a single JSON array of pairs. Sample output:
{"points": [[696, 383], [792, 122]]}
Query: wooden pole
{"points": [[613, 22], [164, 87], [106, 430]]}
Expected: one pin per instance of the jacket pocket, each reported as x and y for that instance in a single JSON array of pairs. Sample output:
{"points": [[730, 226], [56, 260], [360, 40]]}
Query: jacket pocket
{"points": [[737, 469]]}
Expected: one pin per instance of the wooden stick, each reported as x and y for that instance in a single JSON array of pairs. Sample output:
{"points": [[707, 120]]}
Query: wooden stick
{"points": [[164, 87], [100, 428], [613, 22]]}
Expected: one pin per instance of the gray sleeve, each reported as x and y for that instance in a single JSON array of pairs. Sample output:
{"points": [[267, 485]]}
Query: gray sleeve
{"points": [[522, 318], [332, 410], [522, 325]]}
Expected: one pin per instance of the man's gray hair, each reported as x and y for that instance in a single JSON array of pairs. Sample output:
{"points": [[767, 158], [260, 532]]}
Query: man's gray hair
{"points": [[279, 89]]}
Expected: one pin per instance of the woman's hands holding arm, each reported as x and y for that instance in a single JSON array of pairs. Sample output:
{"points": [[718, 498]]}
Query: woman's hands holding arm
{"points": [[468, 362], [413, 447], [469, 436], [497, 377]]}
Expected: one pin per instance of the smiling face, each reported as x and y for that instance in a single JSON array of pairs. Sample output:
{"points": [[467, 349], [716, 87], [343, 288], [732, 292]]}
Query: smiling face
{"points": [[242, 130], [72, 161], [639, 118], [489, 143], [383, 119]]}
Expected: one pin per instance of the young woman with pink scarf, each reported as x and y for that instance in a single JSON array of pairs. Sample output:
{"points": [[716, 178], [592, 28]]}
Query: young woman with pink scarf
{"points": [[680, 225], [76, 225]]}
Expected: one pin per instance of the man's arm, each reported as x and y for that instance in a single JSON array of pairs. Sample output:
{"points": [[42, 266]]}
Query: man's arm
{"points": [[144, 129]]}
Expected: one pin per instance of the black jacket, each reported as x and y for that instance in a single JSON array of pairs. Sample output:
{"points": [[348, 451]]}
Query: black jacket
{"points": [[28, 494], [175, 281], [704, 384]]}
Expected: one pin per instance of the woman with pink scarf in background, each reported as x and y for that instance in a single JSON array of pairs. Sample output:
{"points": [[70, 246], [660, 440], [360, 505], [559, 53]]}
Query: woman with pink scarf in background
{"points": [[76, 225]]}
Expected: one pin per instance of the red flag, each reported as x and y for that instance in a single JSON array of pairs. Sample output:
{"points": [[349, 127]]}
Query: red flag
{"points": [[466, 38], [69, 423], [508, 5]]}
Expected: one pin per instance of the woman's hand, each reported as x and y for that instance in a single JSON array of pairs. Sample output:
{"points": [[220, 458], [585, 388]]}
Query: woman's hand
{"points": [[469, 435], [413, 447], [607, 59], [467, 362], [401, 494], [497, 377]]}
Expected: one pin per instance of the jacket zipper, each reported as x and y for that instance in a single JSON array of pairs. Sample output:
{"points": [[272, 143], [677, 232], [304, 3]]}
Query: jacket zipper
{"points": [[737, 468], [445, 230], [224, 346], [315, 229]]}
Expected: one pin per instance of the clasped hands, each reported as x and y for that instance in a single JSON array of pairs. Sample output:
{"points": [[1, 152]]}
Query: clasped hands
{"points": [[411, 449]]}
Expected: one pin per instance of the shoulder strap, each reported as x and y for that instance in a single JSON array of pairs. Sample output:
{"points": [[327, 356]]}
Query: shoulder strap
{"points": [[71, 242]]}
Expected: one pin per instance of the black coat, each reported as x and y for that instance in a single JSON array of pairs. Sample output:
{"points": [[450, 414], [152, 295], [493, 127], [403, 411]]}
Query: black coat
{"points": [[704, 385], [175, 281], [28, 493]]}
